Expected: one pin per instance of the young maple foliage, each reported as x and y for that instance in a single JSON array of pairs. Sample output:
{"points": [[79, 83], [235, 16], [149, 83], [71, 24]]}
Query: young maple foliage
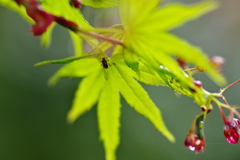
{"points": [[143, 51], [138, 58]]}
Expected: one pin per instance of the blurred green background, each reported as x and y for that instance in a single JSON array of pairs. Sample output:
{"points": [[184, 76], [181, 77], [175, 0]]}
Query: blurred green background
{"points": [[33, 116]]}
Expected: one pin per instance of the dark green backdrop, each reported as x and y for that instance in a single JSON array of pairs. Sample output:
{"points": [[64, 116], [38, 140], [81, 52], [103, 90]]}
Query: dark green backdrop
{"points": [[32, 115]]}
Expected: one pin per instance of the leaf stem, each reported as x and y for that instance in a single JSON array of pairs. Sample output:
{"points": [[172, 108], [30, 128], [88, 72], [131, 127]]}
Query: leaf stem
{"points": [[100, 37]]}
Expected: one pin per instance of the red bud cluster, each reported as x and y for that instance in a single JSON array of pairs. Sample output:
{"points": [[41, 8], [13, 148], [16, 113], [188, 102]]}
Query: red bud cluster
{"points": [[195, 137], [193, 143], [231, 131]]}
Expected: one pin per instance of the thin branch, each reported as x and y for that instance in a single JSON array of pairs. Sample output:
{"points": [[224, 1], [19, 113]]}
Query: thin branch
{"points": [[224, 89]]}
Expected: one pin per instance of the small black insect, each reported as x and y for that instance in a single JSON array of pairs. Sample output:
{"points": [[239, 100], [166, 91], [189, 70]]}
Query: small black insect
{"points": [[104, 63]]}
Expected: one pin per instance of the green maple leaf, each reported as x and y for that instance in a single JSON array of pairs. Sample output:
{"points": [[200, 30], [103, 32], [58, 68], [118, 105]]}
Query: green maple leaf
{"points": [[146, 25], [138, 60], [95, 88]]}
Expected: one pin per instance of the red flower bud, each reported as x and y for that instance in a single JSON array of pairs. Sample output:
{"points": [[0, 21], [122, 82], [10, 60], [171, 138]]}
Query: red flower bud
{"points": [[197, 83], [194, 144], [231, 134], [41, 18], [199, 145], [190, 141], [231, 131]]}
